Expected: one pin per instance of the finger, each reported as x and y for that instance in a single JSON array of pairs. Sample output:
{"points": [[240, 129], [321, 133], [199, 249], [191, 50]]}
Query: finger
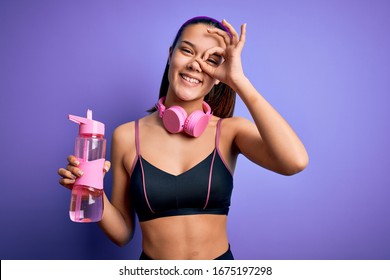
{"points": [[73, 160], [66, 174], [74, 170], [218, 51], [241, 43], [67, 183], [208, 69], [232, 31], [67, 179], [107, 166], [221, 33]]}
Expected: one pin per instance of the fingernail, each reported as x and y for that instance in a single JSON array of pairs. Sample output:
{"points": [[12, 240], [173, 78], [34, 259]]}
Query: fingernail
{"points": [[76, 162], [106, 168], [80, 172]]}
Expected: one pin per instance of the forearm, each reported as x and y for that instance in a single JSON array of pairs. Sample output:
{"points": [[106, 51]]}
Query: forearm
{"points": [[280, 141], [114, 224]]}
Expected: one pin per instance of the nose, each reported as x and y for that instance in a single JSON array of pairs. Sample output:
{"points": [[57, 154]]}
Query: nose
{"points": [[194, 65]]}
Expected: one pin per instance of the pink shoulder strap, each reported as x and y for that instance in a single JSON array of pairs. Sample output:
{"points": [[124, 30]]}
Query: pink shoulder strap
{"points": [[218, 134], [142, 168], [137, 138]]}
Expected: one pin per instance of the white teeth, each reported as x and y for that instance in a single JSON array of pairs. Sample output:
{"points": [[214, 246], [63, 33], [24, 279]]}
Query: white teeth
{"points": [[191, 80]]}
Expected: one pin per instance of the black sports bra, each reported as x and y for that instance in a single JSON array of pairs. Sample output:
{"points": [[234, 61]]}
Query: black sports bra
{"points": [[204, 189]]}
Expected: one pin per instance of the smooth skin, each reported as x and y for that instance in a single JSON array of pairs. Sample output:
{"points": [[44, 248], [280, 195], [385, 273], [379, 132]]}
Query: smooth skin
{"points": [[203, 57]]}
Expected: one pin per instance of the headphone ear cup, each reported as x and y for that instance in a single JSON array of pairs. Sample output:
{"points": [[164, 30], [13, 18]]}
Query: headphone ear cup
{"points": [[196, 123], [174, 119]]}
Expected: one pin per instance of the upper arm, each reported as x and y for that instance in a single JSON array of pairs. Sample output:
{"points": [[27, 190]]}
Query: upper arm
{"points": [[249, 143], [120, 147]]}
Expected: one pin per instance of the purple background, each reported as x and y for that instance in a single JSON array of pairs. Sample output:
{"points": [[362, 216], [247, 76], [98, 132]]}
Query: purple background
{"points": [[323, 64]]}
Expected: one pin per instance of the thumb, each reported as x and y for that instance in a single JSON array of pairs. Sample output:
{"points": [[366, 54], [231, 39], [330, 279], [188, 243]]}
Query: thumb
{"points": [[107, 166], [209, 70]]}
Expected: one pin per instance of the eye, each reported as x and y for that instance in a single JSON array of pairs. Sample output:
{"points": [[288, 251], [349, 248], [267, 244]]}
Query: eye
{"points": [[186, 50], [212, 61]]}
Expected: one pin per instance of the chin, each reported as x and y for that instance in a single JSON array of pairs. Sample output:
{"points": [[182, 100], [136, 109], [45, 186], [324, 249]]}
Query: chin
{"points": [[184, 95]]}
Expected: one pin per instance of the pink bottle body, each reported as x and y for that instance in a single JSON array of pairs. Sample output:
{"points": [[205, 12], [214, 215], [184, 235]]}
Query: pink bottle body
{"points": [[87, 199]]}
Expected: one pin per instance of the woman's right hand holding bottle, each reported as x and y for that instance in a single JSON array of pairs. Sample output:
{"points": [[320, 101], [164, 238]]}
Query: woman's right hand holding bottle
{"points": [[72, 172]]}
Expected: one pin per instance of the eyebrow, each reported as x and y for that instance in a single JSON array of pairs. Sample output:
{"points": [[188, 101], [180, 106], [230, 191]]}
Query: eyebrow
{"points": [[188, 42]]}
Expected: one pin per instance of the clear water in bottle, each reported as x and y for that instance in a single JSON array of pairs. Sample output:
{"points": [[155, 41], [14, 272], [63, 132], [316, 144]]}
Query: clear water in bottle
{"points": [[86, 204]]}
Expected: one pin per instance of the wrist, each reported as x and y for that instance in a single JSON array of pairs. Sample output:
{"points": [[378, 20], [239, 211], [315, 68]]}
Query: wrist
{"points": [[240, 83]]}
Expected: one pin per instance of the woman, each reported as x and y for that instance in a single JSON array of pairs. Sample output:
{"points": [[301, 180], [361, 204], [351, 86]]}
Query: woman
{"points": [[174, 166]]}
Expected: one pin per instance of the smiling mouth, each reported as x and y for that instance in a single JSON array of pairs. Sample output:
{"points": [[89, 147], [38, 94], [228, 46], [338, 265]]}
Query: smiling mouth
{"points": [[190, 80]]}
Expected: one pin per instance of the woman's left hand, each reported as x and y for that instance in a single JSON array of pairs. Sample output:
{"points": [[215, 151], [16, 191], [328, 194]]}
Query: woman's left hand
{"points": [[230, 70]]}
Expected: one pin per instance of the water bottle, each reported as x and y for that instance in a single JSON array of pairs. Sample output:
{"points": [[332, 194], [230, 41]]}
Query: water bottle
{"points": [[86, 203]]}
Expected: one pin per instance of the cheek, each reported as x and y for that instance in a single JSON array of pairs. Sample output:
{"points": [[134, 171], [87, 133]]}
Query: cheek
{"points": [[173, 67], [170, 74], [209, 82], [177, 64], [172, 71], [179, 61]]}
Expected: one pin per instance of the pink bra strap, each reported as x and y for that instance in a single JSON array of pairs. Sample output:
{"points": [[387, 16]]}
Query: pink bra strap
{"points": [[140, 161], [218, 134], [137, 138], [217, 137], [212, 162]]}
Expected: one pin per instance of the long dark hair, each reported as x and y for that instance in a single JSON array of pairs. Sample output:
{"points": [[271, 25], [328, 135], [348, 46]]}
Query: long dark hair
{"points": [[221, 97]]}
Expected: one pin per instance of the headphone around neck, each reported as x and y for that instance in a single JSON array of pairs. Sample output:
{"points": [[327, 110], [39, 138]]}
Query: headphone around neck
{"points": [[175, 119]]}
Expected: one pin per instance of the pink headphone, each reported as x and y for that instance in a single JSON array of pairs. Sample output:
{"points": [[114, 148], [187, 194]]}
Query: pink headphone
{"points": [[175, 119]]}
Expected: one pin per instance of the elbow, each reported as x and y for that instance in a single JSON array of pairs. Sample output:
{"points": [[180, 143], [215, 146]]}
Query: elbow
{"points": [[122, 242], [296, 166], [119, 243], [121, 239]]}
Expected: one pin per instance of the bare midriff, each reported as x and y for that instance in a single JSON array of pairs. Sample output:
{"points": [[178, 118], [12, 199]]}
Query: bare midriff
{"points": [[193, 237]]}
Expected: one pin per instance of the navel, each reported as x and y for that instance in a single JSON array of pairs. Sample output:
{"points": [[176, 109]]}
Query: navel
{"points": [[195, 253]]}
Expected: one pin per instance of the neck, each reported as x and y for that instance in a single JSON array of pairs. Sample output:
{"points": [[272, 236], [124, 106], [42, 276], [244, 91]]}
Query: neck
{"points": [[189, 106]]}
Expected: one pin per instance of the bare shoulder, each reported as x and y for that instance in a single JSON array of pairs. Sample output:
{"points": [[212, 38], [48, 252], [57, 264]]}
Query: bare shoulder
{"points": [[241, 133], [235, 124], [123, 132], [123, 136]]}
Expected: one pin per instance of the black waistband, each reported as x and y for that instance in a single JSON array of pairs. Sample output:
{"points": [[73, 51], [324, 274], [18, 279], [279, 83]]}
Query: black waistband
{"points": [[228, 255]]}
